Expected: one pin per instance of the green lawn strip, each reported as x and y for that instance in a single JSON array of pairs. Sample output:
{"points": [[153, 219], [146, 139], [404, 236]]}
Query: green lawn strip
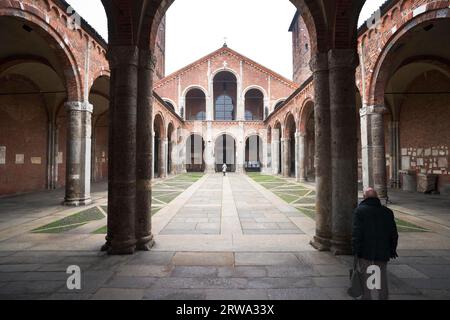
{"points": [[286, 197], [167, 198], [60, 229], [305, 200], [405, 226], [155, 210], [310, 213], [271, 185], [104, 229], [72, 221]]}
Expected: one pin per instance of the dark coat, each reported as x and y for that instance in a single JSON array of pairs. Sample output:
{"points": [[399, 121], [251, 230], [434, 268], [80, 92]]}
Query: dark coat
{"points": [[375, 235]]}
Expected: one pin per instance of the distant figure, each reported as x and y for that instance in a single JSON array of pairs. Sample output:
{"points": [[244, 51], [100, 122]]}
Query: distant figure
{"points": [[224, 169], [374, 242]]}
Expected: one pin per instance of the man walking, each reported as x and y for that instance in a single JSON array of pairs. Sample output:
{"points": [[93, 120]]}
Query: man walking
{"points": [[224, 169], [374, 243]]}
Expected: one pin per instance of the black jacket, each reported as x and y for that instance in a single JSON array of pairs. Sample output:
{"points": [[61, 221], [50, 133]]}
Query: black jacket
{"points": [[375, 235]]}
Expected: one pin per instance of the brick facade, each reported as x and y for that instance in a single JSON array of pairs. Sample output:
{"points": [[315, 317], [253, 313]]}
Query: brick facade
{"points": [[78, 58]]}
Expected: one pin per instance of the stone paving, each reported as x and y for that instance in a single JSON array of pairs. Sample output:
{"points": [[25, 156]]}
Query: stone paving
{"points": [[222, 238]]}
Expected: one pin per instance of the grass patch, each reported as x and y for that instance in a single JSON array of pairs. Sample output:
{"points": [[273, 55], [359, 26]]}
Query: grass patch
{"points": [[311, 213], [405, 226], [167, 198], [286, 197], [102, 230], [71, 222]]}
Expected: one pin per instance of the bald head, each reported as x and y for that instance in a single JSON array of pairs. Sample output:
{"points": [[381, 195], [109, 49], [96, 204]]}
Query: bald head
{"points": [[370, 193]]}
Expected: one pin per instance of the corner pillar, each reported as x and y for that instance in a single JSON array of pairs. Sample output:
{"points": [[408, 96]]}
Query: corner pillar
{"points": [[319, 67], [342, 66], [373, 148], [122, 177], [78, 163]]}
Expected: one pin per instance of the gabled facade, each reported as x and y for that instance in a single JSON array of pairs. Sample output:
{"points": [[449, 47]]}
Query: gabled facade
{"points": [[222, 101]]}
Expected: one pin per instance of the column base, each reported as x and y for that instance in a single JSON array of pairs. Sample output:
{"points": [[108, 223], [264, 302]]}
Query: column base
{"points": [[320, 244], [145, 244], [106, 246], [341, 248], [122, 248], [77, 202]]}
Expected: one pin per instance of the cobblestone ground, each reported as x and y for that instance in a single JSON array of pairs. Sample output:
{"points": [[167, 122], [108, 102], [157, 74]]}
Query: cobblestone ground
{"points": [[216, 238]]}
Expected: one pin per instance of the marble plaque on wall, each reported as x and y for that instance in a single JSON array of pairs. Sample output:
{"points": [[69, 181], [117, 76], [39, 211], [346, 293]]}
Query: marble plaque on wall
{"points": [[2, 155], [20, 158]]}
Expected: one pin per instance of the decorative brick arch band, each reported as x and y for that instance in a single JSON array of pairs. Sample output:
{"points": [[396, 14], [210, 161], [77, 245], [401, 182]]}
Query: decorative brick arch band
{"points": [[383, 67], [35, 16]]}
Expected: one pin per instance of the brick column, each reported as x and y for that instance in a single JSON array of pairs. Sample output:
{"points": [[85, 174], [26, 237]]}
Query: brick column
{"points": [[144, 152], [342, 65], [319, 67], [373, 148], [122, 178], [78, 163]]}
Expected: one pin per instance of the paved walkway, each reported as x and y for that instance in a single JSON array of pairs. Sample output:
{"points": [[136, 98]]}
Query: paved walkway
{"points": [[222, 238]]}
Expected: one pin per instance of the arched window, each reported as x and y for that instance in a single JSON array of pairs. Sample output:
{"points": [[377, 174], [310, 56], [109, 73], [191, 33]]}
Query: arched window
{"points": [[279, 104], [195, 105], [169, 104], [225, 96], [224, 108], [254, 105]]}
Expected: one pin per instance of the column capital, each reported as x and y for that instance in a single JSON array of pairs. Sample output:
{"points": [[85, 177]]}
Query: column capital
{"points": [[319, 62], [79, 106], [373, 109], [343, 58], [119, 55], [147, 60]]}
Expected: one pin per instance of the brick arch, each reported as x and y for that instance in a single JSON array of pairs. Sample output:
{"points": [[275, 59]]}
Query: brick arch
{"points": [[192, 87], [255, 87], [305, 113], [312, 11], [37, 18], [287, 127], [159, 117], [170, 126], [383, 66]]}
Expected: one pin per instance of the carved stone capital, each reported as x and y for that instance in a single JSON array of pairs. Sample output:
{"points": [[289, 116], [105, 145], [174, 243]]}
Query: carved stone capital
{"points": [[373, 109], [319, 62], [147, 60], [123, 55], [79, 106], [343, 59]]}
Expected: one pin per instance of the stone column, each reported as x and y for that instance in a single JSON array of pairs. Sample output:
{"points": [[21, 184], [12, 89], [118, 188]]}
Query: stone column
{"points": [[373, 149], [275, 151], [342, 66], [144, 155], [163, 157], [285, 156], [319, 67], [78, 162], [122, 178], [301, 157], [395, 153], [153, 152]]}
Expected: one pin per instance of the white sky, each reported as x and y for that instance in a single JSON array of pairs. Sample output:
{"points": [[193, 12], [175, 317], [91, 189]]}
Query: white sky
{"points": [[195, 28]]}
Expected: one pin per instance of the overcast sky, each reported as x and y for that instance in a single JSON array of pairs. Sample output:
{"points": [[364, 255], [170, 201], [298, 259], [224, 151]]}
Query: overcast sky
{"points": [[257, 29]]}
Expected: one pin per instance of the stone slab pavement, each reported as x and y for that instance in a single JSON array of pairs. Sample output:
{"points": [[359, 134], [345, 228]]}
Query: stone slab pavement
{"points": [[222, 238]]}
